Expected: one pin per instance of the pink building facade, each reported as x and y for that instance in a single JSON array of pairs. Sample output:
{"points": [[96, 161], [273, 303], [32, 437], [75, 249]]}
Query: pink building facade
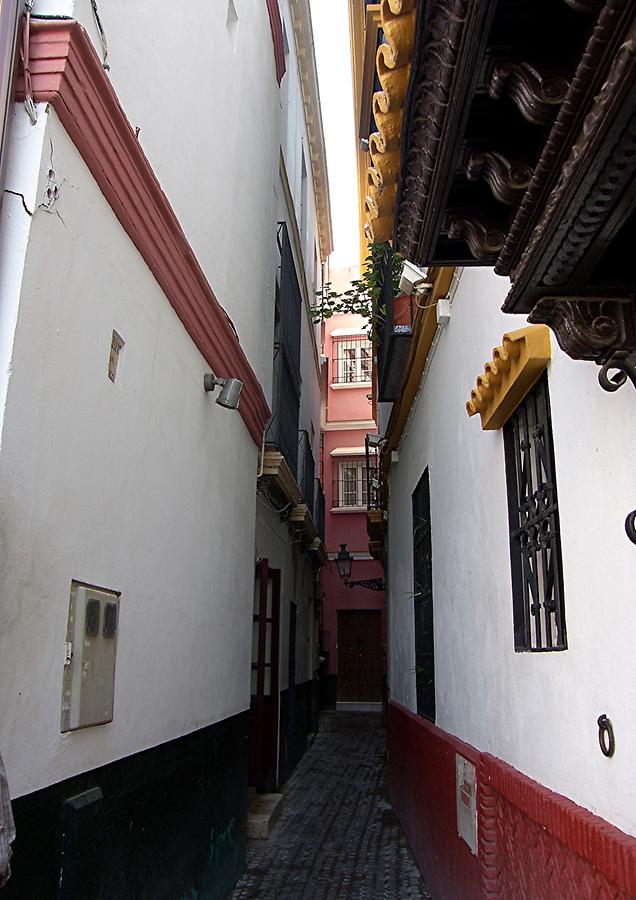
{"points": [[353, 618]]}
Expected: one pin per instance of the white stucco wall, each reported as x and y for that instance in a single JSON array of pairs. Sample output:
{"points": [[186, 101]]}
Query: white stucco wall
{"points": [[208, 109], [145, 486], [536, 711]]}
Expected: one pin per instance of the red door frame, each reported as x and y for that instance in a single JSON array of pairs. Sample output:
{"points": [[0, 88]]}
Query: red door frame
{"points": [[264, 736]]}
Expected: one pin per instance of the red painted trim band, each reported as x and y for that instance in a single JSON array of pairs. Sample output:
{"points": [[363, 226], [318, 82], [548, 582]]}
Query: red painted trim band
{"points": [[67, 73], [277, 37]]}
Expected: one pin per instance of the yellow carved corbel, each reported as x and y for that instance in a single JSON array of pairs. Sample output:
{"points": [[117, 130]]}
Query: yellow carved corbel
{"points": [[515, 367]]}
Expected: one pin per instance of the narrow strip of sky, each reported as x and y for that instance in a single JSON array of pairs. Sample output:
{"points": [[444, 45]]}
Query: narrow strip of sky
{"points": [[330, 22]]}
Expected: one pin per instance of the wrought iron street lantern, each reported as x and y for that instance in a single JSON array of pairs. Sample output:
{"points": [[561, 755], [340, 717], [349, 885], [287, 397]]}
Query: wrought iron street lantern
{"points": [[343, 562], [344, 559]]}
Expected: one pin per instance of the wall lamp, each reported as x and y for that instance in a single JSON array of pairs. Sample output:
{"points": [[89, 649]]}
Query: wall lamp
{"points": [[230, 389], [343, 562]]}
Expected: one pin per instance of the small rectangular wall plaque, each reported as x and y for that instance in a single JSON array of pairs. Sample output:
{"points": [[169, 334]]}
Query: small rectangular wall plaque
{"points": [[466, 784]]}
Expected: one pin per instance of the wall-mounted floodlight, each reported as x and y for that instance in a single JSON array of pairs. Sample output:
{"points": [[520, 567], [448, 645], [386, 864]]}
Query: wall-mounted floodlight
{"points": [[413, 279], [230, 389]]}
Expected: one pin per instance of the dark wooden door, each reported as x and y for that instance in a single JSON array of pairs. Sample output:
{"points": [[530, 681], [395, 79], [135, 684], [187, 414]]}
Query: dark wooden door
{"points": [[263, 755], [360, 659]]}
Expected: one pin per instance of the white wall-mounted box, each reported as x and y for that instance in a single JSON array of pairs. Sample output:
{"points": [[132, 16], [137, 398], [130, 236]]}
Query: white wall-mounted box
{"points": [[89, 667]]}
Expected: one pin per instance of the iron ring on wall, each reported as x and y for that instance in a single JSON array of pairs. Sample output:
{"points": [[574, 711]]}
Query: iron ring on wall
{"points": [[606, 736]]}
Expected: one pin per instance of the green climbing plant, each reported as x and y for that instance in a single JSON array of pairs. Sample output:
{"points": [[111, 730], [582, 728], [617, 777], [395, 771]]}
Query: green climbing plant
{"points": [[364, 297]]}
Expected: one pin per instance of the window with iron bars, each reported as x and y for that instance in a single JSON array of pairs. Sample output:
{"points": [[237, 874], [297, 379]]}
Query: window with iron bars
{"points": [[423, 612], [351, 487], [352, 360], [535, 545]]}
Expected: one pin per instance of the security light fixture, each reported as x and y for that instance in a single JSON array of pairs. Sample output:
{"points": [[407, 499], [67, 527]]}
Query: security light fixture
{"points": [[230, 389], [343, 561], [413, 279]]}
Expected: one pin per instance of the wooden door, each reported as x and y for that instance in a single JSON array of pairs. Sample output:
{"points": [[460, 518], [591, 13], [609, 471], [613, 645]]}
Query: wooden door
{"points": [[263, 756], [360, 659]]}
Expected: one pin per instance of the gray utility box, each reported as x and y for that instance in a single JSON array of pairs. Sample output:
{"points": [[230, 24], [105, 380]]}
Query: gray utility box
{"points": [[89, 667]]}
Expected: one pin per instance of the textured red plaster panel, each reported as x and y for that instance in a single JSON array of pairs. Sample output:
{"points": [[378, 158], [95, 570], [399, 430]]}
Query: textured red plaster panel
{"points": [[533, 844], [422, 782], [539, 845], [67, 72]]}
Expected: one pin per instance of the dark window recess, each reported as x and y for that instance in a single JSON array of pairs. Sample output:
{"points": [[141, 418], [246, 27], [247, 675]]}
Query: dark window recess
{"points": [[92, 617], [293, 610], [423, 599], [110, 620], [535, 545]]}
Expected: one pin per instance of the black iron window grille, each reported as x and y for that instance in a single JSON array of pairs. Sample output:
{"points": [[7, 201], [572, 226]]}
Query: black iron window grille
{"points": [[374, 496], [535, 546], [352, 360], [423, 599], [350, 487]]}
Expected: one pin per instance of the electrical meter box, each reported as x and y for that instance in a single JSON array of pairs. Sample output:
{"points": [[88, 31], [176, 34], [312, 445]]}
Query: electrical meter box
{"points": [[89, 666]]}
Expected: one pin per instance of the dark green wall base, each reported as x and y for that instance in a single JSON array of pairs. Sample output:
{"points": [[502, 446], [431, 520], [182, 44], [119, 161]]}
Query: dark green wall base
{"points": [[298, 718], [328, 691], [165, 824]]}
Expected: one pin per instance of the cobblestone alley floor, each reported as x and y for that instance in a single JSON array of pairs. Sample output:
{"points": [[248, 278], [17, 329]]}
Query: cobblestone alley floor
{"points": [[337, 837]]}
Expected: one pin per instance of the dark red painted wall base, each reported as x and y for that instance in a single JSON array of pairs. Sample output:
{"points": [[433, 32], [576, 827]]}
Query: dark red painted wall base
{"points": [[422, 784], [533, 844]]}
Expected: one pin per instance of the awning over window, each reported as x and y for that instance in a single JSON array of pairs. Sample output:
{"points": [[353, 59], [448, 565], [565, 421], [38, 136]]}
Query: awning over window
{"points": [[348, 451]]}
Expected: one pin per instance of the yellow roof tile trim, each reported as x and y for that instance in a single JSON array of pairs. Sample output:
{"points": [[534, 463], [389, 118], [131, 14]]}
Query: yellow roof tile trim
{"points": [[393, 65], [515, 367]]}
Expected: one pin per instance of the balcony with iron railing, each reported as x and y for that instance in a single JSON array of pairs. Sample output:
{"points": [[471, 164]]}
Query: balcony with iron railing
{"points": [[319, 509], [352, 359], [306, 469], [282, 431], [351, 488]]}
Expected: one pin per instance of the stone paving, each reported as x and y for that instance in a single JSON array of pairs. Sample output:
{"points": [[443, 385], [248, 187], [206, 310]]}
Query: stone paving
{"points": [[337, 837]]}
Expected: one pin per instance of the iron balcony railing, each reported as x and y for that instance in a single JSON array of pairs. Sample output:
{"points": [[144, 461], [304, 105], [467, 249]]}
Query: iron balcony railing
{"points": [[306, 470], [283, 428], [319, 510], [289, 304]]}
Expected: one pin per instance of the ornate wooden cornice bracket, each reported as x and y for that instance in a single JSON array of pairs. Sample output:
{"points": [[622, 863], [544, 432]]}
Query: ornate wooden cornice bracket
{"points": [[537, 96], [601, 329], [484, 239], [506, 178]]}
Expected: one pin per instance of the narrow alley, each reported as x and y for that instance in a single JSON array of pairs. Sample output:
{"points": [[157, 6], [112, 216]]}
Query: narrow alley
{"points": [[317, 443], [337, 836]]}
